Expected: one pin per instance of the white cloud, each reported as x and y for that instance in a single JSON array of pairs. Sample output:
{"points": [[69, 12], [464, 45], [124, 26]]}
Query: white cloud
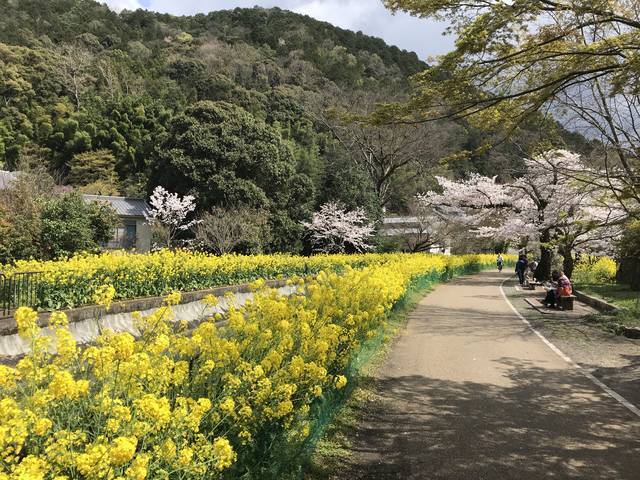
{"points": [[119, 5], [421, 36], [350, 14]]}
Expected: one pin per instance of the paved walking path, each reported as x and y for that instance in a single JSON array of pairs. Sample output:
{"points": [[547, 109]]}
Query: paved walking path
{"points": [[470, 392]]}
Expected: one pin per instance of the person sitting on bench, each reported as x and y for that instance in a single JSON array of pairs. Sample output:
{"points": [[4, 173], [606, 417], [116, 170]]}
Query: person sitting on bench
{"points": [[561, 287]]}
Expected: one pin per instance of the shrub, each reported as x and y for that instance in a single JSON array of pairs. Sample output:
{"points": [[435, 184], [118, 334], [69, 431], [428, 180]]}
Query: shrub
{"points": [[595, 271], [69, 225]]}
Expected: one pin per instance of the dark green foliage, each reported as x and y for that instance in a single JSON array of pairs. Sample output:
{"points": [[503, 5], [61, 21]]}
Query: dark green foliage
{"points": [[19, 229], [222, 155], [76, 78], [69, 224], [36, 223], [344, 180], [629, 270], [90, 167]]}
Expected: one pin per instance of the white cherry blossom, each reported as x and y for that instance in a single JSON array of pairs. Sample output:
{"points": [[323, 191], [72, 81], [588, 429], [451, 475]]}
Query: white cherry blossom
{"points": [[169, 213], [334, 229]]}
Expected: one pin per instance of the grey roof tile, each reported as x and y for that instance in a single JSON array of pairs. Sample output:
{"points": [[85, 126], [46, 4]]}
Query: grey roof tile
{"points": [[125, 207]]}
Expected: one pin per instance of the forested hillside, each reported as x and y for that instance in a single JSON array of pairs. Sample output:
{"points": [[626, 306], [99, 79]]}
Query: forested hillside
{"points": [[226, 106]]}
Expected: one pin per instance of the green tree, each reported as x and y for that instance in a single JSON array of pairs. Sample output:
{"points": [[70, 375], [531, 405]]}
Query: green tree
{"points": [[20, 223], [575, 59], [222, 155], [69, 225], [91, 167], [345, 182], [629, 269]]}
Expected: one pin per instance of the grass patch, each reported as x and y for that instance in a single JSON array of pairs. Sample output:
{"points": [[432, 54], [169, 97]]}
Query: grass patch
{"points": [[619, 295], [616, 322], [622, 297], [334, 446]]}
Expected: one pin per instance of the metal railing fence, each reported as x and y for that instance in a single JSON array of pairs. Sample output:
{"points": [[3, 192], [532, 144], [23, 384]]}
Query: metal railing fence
{"points": [[23, 289]]}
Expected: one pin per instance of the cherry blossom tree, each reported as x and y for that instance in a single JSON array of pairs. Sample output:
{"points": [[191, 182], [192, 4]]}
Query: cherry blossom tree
{"points": [[169, 214], [431, 227], [333, 229], [547, 204]]}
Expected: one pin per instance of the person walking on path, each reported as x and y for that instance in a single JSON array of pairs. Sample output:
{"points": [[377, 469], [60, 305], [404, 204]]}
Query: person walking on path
{"points": [[500, 262], [521, 268]]}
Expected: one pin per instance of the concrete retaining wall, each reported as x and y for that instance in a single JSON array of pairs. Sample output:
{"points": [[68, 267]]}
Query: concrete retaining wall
{"points": [[8, 325], [89, 322], [601, 305], [594, 302]]}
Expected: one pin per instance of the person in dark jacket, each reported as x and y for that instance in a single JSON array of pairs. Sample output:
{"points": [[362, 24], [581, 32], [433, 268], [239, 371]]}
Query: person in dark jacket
{"points": [[521, 268]]}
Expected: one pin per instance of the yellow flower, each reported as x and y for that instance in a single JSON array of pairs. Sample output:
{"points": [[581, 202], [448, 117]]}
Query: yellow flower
{"points": [[30, 468], [156, 410], [63, 386], [92, 463], [210, 301], [122, 450], [228, 405], [167, 450], [66, 347], [157, 401], [245, 411], [284, 408], [340, 382], [173, 298], [223, 453], [42, 426], [104, 296], [245, 436], [185, 456], [138, 468], [8, 377], [58, 319], [27, 320], [123, 345]]}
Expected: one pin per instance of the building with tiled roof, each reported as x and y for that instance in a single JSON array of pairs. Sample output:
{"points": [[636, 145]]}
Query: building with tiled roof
{"points": [[134, 231]]}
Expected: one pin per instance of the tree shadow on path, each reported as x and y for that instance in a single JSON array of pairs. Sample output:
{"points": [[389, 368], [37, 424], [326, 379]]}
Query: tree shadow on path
{"points": [[545, 423]]}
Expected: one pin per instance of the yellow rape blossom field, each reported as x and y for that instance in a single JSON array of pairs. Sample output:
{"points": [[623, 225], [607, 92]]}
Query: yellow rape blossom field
{"points": [[237, 396], [72, 282]]}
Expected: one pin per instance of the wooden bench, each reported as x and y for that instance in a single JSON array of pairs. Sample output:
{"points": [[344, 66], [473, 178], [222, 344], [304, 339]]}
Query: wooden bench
{"points": [[566, 303]]}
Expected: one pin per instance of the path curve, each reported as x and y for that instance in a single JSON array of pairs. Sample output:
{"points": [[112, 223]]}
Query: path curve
{"points": [[470, 392]]}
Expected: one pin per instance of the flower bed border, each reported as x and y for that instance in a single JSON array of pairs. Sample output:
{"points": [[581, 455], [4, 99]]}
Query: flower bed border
{"points": [[8, 324]]}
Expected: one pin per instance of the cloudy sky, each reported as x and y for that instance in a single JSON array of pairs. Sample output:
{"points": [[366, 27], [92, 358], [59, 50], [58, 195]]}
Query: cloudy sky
{"points": [[421, 36]]}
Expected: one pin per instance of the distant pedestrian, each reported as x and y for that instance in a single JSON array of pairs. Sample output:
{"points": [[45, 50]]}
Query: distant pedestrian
{"points": [[500, 262], [521, 268]]}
